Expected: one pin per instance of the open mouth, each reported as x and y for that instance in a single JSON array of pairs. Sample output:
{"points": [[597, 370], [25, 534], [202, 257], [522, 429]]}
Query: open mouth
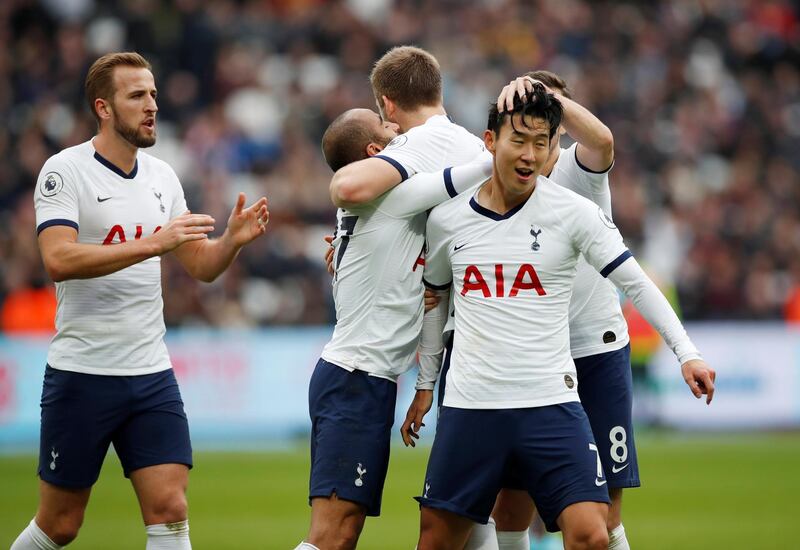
{"points": [[149, 123], [524, 173]]}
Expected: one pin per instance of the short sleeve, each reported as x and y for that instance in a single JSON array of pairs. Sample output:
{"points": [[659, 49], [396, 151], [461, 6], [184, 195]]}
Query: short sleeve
{"points": [[599, 239], [178, 198], [438, 274], [56, 196], [415, 151], [570, 173]]}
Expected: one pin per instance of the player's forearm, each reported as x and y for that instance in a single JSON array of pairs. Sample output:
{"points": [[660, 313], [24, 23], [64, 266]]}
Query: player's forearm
{"points": [[362, 182], [431, 347], [423, 191], [210, 258], [595, 139], [631, 279], [72, 260]]}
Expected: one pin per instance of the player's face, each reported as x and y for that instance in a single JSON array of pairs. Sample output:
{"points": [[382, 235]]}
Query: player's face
{"points": [[384, 130], [520, 151], [134, 106]]}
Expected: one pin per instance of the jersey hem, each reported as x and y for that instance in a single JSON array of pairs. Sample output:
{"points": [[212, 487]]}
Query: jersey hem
{"points": [[100, 371], [521, 404], [391, 376], [581, 352]]}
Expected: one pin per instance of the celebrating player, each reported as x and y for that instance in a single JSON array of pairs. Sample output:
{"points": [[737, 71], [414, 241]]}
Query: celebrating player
{"points": [[407, 85], [511, 249], [105, 213]]}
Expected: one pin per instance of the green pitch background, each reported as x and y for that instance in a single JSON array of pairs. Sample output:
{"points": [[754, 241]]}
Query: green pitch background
{"points": [[704, 492]]}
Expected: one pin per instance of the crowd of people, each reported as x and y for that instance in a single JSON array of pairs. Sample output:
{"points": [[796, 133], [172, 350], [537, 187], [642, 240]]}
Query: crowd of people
{"points": [[703, 98]]}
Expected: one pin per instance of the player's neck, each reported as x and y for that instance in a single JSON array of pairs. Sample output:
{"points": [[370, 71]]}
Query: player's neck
{"points": [[115, 149], [411, 119], [498, 198], [551, 162]]}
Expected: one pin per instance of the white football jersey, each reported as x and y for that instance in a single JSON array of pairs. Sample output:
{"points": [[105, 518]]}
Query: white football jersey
{"points": [[110, 325], [512, 278], [596, 323], [378, 255]]}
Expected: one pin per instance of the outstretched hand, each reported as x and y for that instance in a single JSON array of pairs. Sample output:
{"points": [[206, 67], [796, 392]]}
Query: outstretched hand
{"points": [[416, 412], [246, 224], [700, 378]]}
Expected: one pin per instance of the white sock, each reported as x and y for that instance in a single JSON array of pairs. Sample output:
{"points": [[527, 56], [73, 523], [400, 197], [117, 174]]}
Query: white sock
{"points": [[33, 538], [305, 546], [483, 537], [617, 539], [169, 536], [513, 540]]}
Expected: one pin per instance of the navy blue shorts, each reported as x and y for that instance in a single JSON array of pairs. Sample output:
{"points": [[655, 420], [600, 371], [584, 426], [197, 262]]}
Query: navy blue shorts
{"points": [[605, 387], [82, 414], [352, 414], [551, 449]]}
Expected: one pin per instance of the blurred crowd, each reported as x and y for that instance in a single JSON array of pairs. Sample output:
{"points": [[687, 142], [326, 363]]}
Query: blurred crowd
{"points": [[703, 97]]}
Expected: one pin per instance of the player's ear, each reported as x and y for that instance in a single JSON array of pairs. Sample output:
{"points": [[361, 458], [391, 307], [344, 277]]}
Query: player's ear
{"points": [[373, 149], [489, 139], [102, 108], [389, 107]]}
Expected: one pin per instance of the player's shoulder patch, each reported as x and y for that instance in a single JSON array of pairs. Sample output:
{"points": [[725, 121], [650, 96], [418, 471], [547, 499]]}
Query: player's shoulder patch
{"points": [[397, 142], [607, 221], [52, 184]]}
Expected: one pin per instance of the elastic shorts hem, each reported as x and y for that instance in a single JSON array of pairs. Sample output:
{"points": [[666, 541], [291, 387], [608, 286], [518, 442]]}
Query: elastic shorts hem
{"points": [[158, 462], [361, 502], [448, 507], [551, 523], [66, 484]]}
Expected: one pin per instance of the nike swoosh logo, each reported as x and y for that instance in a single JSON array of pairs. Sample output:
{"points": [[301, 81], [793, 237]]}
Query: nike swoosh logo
{"points": [[459, 247], [599, 483], [103, 200], [617, 470]]}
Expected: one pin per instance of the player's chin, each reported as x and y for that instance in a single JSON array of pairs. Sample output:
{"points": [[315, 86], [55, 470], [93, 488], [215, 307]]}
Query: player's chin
{"points": [[146, 138]]}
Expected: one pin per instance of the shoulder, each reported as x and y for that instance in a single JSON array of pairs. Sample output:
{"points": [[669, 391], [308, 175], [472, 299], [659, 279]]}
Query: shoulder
{"points": [[445, 214], [73, 157], [157, 166], [566, 203]]}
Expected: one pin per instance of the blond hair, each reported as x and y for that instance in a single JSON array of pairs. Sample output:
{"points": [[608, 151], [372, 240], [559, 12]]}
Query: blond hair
{"points": [[100, 79]]}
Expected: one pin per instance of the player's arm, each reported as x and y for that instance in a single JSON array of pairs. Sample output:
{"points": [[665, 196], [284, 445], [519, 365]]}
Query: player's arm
{"points": [[602, 246], [437, 277], [423, 191], [595, 150], [206, 259], [363, 181], [65, 258], [631, 279]]}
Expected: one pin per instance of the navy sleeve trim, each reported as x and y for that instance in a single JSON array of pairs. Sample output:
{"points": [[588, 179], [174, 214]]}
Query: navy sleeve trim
{"points": [[436, 287], [616, 263], [400, 168], [448, 182], [51, 223], [585, 169]]}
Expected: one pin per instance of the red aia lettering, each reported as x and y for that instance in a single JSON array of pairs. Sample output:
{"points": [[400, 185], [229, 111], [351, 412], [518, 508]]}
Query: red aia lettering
{"points": [[479, 283], [526, 279], [119, 233]]}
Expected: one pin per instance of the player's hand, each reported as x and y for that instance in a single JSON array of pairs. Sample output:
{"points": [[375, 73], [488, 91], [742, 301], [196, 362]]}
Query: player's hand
{"points": [[520, 86], [431, 300], [416, 412], [700, 378], [181, 229], [245, 224], [329, 254]]}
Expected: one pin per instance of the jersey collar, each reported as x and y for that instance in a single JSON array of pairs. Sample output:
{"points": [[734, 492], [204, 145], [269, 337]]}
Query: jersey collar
{"points": [[116, 169]]}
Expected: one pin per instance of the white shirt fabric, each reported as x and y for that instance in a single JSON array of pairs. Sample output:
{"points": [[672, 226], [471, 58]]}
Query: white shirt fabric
{"points": [[379, 255], [114, 324], [595, 314], [512, 281]]}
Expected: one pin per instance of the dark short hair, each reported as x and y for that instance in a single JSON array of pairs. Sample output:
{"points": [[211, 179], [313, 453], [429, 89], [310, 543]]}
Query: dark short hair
{"points": [[538, 104], [551, 80], [346, 139]]}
